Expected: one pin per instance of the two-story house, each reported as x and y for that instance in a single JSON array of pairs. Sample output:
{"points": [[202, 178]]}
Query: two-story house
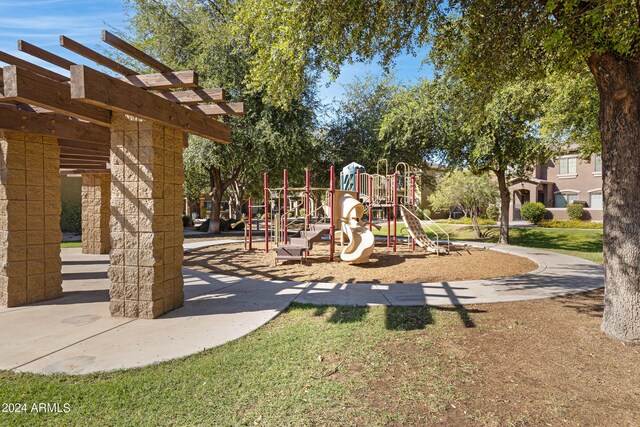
{"points": [[567, 179]]}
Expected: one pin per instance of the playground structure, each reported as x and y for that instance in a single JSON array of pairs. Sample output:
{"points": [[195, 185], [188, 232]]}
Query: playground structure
{"points": [[391, 195]]}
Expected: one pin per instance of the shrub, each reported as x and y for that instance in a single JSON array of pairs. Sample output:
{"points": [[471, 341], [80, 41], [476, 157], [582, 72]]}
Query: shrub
{"points": [[575, 211], [186, 221], [289, 214], [493, 213], [302, 212], [555, 223], [467, 221], [71, 217], [533, 212]]}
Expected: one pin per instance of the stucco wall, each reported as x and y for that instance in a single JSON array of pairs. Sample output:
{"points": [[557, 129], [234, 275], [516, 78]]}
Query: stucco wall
{"points": [[583, 182]]}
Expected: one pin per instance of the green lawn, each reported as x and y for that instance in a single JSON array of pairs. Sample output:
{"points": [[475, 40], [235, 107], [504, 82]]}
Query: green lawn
{"points": [[310, 366], [585, 244], [71, 244]]}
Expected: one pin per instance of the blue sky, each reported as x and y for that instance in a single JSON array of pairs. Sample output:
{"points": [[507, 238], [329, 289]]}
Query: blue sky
{"points": [[41, 22]]}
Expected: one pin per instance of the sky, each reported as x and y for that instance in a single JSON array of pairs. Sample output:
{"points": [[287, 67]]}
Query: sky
{"points": [[40, 22]]}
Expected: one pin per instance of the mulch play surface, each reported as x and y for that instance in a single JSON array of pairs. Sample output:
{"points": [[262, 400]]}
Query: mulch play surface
{"points": [[385, 266]]}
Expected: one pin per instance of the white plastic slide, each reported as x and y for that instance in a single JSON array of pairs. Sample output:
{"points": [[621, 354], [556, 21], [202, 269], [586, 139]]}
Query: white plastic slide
{"points": [[361, 240]]}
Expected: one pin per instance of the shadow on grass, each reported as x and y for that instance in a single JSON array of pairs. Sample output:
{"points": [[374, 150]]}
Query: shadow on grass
{"points": [[350, 314], [408, 318]]}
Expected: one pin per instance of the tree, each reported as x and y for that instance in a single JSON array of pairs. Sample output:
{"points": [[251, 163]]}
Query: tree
{"points": [[190, 34], [506, 39], [483, 131], [470, 192]]}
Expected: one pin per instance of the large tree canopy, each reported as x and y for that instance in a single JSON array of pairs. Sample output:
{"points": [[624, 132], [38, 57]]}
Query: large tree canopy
{"points": [[506, 39], [190, 34]]}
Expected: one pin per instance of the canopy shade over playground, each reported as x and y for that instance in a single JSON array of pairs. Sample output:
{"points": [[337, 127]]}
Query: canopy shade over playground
{"points": [[125, 135]]}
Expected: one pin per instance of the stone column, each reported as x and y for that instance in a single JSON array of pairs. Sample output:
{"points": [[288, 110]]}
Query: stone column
{"points": [[146, 225], [30, 265], [96, 193]]}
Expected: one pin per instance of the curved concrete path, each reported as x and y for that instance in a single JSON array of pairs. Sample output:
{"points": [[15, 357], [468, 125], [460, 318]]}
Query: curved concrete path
{"points": [[76, 334]]}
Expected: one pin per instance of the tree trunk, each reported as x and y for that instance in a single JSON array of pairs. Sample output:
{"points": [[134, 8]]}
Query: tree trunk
{"points": [[505, 203], [215, 177], [618, 82], [474, 223], [237, 197]]}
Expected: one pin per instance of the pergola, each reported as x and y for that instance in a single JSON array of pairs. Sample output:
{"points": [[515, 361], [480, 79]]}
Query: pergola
{"points": [[125, 134]]}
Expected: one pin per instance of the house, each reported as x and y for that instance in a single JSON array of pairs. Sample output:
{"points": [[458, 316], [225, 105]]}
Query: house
{"points": [[562, 181]]}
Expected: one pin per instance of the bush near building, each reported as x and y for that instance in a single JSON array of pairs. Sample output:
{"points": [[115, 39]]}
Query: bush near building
{"points": [[575, 212], [533, 212]]}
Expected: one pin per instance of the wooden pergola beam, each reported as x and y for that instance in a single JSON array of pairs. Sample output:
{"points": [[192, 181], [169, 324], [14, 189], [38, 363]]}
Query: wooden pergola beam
{"points": [[39, 124], [75, 158], [91, 146], [84, 171], [101, 90], [82, 165], [96, 57], [161, 81], [30, 88], [84, 153], [44, 55], [220, 109], [12, 60], [134, 52], [197, 96]]}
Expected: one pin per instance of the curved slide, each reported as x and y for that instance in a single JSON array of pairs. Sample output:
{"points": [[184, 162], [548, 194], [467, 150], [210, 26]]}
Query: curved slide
{"points": [[361, 240]]}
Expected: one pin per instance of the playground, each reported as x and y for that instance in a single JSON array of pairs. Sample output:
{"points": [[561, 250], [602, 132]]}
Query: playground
{"points": [[384, 266]]}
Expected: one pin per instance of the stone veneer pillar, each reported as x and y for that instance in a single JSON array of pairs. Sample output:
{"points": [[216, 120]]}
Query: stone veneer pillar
{"points": [[146, 225], [30, 265], [96, 193]]}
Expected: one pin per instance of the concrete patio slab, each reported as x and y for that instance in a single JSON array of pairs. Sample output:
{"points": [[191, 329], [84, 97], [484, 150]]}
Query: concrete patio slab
{"points": [[76, 334]]}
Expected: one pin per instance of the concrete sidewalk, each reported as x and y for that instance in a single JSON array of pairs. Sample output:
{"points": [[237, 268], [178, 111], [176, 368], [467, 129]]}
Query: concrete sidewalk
{"points": [[76, 334]]}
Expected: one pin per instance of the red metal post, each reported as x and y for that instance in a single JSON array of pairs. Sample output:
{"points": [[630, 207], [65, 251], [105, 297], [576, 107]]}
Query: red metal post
{"points": [[332, 233], [370, 203], [307, 201], [413, 204], [266, 212], [388, 226], [357, 183], [395, 206], [286, 209], [250, 224]]}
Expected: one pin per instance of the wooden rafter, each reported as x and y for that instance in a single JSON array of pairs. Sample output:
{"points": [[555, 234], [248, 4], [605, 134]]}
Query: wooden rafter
{"points": [[162, 81], [96, 57], [81, 165], [91, 146], [221, 109], [44, 55], [30, 88], [101, 90], [12, 60], [84, 171], [134, 52], [39, 124], [197, 96]]}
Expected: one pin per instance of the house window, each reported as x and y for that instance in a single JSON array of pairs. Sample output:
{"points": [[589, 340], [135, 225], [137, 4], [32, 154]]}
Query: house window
{"points": [[595, 200], [568, 165], [564, 199], [597, 163]]}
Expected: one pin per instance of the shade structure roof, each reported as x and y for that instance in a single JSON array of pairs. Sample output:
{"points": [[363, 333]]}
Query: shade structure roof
{"points": [[76, 104]]}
